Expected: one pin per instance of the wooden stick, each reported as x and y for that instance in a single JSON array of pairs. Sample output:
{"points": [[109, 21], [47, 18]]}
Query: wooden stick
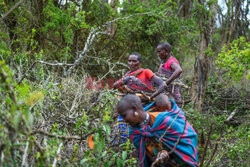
{"points": [[56, 157], [232, 115], [206, 146], [60, 137], [24, 162]]}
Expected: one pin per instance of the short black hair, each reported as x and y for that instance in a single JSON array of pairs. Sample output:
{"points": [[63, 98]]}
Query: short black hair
{"points": [[165, 45], [129, 101], [139, 57]]}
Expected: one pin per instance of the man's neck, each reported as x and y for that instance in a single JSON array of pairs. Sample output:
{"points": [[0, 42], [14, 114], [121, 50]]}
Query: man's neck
{"points": [[168, 57]]}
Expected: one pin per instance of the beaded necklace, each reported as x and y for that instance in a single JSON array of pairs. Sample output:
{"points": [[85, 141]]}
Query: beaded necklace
{"points": [[146, 121]]}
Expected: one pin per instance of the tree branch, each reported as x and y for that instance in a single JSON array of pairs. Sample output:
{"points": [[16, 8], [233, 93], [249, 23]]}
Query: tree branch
{"points": [[115, 64], [56, 157], [24, 162], [11, 10], [92, 35], [56, 136], [231, 115], [42, 62]]}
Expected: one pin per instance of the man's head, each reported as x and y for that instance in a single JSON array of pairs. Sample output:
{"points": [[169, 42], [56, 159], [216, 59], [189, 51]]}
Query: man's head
{"points": [[163, 50], [163, 103], [134, 61], [131, 110]]}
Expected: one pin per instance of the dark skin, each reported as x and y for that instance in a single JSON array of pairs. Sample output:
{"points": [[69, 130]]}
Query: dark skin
{"points": [[134, 115], [134, 64], [164, 54], [163, 103]]}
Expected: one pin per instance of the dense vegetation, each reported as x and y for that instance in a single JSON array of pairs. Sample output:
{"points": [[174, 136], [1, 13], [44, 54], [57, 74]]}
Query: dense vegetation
{"points": [[50, 48]]}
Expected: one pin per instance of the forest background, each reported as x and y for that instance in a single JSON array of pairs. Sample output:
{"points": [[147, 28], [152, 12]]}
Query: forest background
{"points": [[50, 48]]}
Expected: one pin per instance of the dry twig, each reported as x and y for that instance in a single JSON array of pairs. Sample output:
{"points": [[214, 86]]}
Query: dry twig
{"points": [[232, 115], [24, 162], [56, 136], [56, 157]]}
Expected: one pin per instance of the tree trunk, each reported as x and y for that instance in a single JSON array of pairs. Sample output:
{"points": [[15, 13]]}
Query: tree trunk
{"points": [[234, 22], [185, 9], [198, 88]]}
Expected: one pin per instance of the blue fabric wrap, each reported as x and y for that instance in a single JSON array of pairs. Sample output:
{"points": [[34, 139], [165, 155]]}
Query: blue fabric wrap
{"points": [[186, 149]]}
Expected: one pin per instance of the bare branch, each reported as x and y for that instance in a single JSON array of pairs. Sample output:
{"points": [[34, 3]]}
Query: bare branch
{"points": [[59, 137], [93, 34], [56, 157], [26, 73], [206, 146], [24, 162], [232, 115], [54, 64], [115, 64], [42, 62]]}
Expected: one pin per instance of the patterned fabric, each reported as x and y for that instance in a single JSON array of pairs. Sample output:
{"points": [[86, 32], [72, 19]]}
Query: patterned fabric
{"points": [[168, 72], [144, 75], [186, 149], [122, 128]]}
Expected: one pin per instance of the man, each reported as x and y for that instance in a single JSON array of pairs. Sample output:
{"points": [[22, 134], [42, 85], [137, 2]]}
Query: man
{"points": [[170, 68], [142, 78], [167, 127], [136, 79]]}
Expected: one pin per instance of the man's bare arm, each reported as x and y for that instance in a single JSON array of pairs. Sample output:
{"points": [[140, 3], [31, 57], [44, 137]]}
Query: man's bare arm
{"points": [[176, 74], [161, 85]]}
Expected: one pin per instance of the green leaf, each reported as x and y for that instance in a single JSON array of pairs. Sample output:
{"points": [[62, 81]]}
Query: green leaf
{"points": [[124, 155], [119, 162], [83, 161]]}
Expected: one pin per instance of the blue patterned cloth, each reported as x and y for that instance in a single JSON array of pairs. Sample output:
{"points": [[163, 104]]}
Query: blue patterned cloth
{"points": [[186, 149], [122, 128]]}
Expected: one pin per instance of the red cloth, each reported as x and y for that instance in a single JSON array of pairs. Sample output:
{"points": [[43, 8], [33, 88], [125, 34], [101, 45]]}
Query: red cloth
{"points": [[145, 77], [167, 65]]}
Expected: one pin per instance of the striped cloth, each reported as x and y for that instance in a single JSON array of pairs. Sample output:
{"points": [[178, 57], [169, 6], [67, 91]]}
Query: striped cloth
{"points": [[186, 149]]}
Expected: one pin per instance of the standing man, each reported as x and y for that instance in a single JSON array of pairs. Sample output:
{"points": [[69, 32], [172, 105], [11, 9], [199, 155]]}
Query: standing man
{"points": [[170, 68]]}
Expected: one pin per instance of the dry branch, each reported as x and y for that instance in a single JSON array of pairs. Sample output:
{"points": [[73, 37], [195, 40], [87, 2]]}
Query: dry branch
{"points": [[42, 62], [53, 64], [232, 115], [206, 146], [93, 34], [56, 136], [56, 157], [26, 73], [115, 64], [25, 163]]}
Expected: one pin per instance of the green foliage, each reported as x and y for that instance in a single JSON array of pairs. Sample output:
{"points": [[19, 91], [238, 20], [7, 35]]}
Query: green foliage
{"points": [[16, 116], [235, 60], [55, 32], [63, 22]]}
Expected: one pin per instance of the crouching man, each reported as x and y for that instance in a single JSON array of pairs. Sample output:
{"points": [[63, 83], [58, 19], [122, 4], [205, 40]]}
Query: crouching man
{"points": [[165, 133]]}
